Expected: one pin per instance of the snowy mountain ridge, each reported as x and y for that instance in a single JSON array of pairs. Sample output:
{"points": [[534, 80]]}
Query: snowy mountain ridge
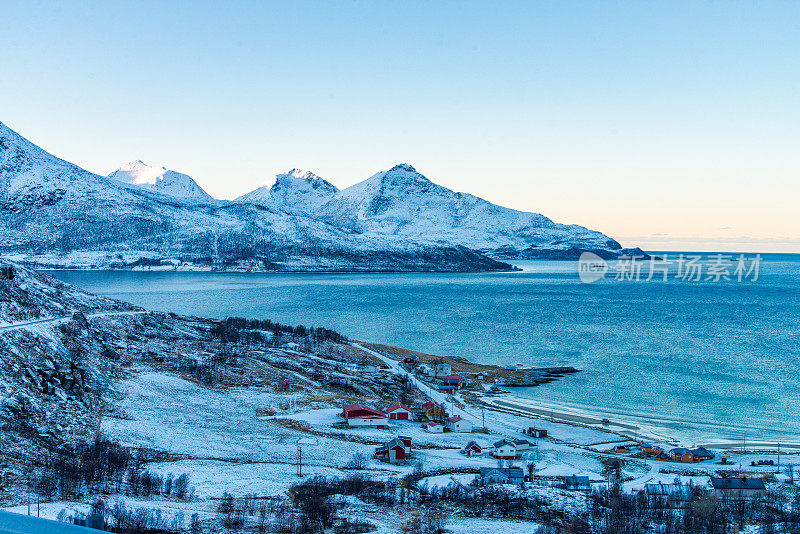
{"points": [[160, 180], [402, 202], [54, 213], [295, 191]]}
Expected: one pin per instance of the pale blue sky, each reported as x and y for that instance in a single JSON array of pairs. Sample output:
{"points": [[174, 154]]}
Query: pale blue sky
{"points": [[666, 124]]}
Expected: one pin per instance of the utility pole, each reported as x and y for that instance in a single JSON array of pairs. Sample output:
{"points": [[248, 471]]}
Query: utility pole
{"points": [[299, 459]]}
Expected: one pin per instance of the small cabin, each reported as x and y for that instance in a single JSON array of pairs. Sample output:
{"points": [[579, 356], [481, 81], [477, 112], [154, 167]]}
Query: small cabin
{"points": [[536, 432], [394, 451], [505, 450], [471, 449], [666, 493], [738, 488], [434, 428], [522, 444], [649, 449]]}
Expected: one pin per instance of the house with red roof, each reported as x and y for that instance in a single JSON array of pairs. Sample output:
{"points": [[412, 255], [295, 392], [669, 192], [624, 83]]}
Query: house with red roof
{"points": [[399, 411], [434, 428], [455, 381], [357, 415], [458, 424]]}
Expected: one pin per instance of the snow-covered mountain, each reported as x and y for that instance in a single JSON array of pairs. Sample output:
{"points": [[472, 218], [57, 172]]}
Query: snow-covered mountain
{"points": [[160, 180], [403, 202], [295, 191], [55, 213]]}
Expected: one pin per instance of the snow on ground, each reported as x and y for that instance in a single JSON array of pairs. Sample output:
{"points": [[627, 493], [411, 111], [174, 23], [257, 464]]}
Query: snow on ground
{"points": [[212, 478], [322, 419], [490, 526], [168, 413], [50, 510]]}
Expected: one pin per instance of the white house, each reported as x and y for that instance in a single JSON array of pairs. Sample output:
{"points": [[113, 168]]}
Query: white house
{"points": [[434, 428], [505, 450], [425, 369], [458, 424], [522, 444], [442, 369]]}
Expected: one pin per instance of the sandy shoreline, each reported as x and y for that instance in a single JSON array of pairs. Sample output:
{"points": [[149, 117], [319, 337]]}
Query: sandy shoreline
{"points": [[630, 430]]}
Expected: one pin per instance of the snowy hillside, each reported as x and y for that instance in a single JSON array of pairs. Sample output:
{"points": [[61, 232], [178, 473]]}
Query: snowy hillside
{"points": [[295, 191], [27, 295], [403, 202], [160, 180]]}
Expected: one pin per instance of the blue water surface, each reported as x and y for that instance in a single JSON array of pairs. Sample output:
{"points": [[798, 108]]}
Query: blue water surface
{"points": [[707, 360]]}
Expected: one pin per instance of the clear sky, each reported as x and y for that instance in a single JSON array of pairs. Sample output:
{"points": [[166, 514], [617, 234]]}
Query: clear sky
{"points": [[671, 125]]}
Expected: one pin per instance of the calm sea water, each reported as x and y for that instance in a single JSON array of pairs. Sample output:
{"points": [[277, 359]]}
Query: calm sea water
{"points": [[703, 360]]}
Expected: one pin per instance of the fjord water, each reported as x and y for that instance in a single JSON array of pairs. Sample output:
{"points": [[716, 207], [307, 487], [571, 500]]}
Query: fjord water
{"points": [[703, 360]]}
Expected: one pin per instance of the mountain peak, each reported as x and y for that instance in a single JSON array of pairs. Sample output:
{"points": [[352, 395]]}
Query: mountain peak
{"points": [[403, 167], [294, 191], [297, 174], [160, 180]]}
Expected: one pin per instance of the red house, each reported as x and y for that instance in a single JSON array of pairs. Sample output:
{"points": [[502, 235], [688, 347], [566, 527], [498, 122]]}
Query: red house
{"points": [[406, 441], [472, 449], [399, 411], [394, 451], [454, 380], [359, 415], [283, 385], [413, 360]]}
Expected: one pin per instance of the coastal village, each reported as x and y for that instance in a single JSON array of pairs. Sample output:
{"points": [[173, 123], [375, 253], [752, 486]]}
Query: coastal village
{"points": [[275, 428]]}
